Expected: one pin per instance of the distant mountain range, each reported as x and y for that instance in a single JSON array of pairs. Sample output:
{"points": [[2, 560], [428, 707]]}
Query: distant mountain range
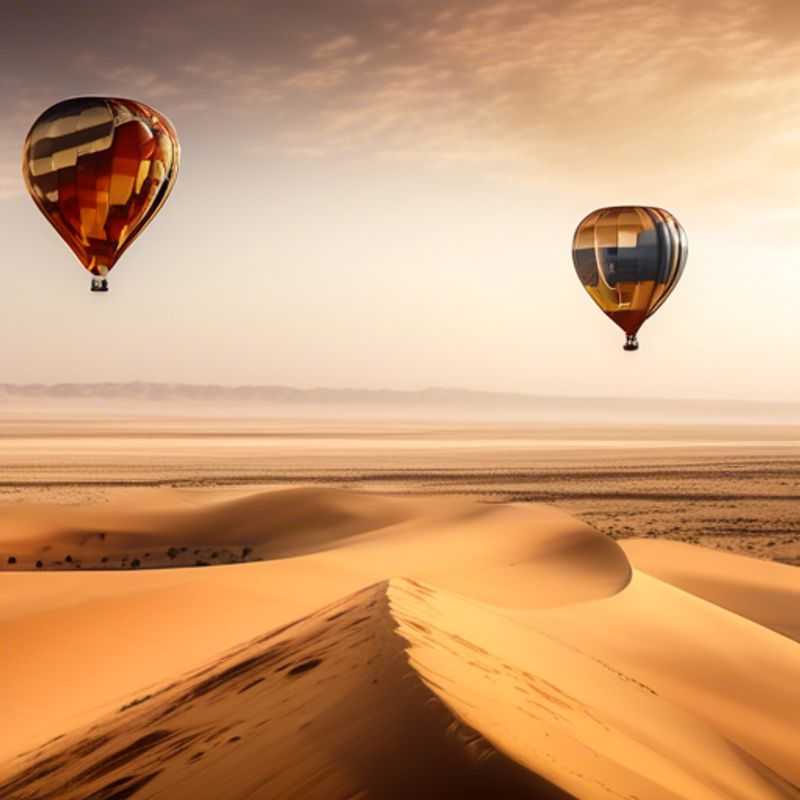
{"points": [[434, 399]]}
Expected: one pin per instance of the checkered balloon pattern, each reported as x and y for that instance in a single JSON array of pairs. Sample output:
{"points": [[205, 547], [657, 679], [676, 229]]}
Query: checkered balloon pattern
{"points": [[99, 169]]}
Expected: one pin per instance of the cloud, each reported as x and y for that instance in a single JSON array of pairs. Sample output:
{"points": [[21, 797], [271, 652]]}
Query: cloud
{"points": [[334, 46], [583, 90], [581, 72]]}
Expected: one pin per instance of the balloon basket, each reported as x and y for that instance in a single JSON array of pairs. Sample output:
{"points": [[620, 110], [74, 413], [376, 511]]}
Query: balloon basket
{"points": [[99, 285], [631, 343]]}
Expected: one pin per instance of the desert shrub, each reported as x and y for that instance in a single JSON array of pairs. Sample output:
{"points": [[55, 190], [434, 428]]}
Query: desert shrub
{"points": [[138, 701], [39, 565], [68, 559], [135, 564], [172, 552], [12, 559]]}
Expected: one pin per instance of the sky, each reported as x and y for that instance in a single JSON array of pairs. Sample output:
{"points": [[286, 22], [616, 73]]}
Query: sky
{"points": [[382, 193]]}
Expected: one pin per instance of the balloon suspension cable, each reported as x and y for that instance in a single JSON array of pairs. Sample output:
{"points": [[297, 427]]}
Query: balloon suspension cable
{"points": [[631, 342], [99, 285]]}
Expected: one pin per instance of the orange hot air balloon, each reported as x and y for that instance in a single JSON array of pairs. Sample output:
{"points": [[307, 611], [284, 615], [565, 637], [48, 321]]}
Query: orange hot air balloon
{"points": [[100, 169], [629, 259]]}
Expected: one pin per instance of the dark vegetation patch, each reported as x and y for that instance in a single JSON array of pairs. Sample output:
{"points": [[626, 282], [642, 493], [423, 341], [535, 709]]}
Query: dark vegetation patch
{"points": [[305, 666], [179, 746], [420, 627], [137, 702], [88, 746], [121, 757], [40, 769], [358, 622], [122, 788], [251, 685], [264, 659]]}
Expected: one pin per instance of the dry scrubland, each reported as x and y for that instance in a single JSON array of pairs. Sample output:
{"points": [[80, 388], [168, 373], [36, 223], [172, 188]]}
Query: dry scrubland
{"points": [[734, 488], [397, 610]]}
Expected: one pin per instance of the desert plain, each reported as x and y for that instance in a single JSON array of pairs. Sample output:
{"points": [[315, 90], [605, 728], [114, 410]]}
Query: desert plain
{"points": [[343, 607]]}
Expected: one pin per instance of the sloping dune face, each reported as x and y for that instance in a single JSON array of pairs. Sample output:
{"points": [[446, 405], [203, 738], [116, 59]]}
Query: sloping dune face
{"points": [[400, 691], [329, 707], [765, 592], [84, 640], [481, 650]]}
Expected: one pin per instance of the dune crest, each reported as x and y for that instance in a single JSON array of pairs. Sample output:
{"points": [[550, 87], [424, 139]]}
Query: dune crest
{"points": [[106, 633], [520, 656], [325, 707], [401, 690]]}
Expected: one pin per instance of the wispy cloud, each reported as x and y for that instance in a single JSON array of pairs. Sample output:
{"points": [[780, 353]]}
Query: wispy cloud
{"points": [[578, 87], [581, 81], [334, 47]]}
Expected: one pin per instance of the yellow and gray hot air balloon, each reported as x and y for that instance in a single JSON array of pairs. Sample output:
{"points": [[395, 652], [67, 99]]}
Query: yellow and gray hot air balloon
{"points": [[629, 259], [99, 169]]}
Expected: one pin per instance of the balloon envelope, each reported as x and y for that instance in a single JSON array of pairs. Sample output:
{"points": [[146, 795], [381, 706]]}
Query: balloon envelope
{"points": [[629, 259], [99, 169]]}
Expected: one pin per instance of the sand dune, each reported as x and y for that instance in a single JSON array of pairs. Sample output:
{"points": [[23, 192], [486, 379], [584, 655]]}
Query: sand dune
{"points": [[326, 708], [480, 648], [105, 634], [764, 592], [739, 677], [399, 691]]}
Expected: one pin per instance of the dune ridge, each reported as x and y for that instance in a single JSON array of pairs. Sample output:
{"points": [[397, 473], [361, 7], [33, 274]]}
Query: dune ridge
{"points": [[111, 632], [384, 647], [331, 698], [409, 663]]}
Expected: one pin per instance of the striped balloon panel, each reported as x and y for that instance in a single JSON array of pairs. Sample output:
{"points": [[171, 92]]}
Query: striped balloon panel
{"points": [[629, 259], [99, 169]]}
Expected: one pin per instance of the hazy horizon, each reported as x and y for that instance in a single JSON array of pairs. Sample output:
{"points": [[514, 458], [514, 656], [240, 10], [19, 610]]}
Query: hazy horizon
{"points": [[385, 194], [109, 401]]}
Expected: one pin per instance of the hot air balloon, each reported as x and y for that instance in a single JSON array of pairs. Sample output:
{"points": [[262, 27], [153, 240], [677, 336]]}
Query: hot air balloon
{"points": [[100, 169], [629, 259]]}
